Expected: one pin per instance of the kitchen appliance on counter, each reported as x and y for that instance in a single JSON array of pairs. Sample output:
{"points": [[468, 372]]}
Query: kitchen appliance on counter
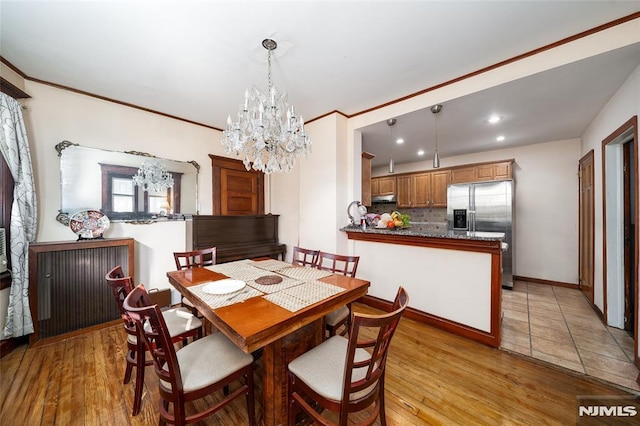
{"points": [[485, 207]]}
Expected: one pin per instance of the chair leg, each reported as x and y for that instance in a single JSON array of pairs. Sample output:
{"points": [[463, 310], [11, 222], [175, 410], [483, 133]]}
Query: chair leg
{"points": [[129, 369], [137, 397], [250, 396], [382, 413]]}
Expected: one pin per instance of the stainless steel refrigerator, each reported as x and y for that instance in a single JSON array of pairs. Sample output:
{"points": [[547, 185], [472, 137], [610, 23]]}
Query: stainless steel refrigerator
{"points": [[485, 207]]}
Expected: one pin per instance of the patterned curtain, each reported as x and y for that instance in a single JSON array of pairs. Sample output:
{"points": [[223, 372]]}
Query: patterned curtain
{"points": [[15, 150]]}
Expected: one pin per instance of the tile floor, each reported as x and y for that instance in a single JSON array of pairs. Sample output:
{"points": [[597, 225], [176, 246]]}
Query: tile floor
{"points": [[557, 325]]}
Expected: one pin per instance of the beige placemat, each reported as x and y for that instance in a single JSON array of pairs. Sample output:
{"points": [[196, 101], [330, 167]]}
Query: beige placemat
{"points": [[271, 264], [298, 297], [304, 273], [220, 300], [274, 288], [244, 272]]}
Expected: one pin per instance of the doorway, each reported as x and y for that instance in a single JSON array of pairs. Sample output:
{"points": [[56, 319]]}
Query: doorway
{"points": [[586, 206], [620, 240]]}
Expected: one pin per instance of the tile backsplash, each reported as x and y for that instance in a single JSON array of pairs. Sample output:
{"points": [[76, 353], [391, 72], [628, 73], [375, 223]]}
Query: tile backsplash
{"points": [[422, 219]]}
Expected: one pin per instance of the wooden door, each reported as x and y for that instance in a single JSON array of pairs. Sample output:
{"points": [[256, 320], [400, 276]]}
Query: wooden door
{"points": [[421, 192], [586, 224], [439, 182], [403, 184], [485, 172], [236, 190]]}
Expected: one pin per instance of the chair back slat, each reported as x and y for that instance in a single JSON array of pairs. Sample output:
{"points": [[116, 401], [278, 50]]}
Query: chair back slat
{"points": [[338, 263], [305, 257], [195, 258]]}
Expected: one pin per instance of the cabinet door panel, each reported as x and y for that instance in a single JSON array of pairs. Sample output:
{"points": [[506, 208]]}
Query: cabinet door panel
{"points": [[375, 186], [439, 182], [404, 191], [464, 175], [387, 185], [485, 172], [421, 190]]}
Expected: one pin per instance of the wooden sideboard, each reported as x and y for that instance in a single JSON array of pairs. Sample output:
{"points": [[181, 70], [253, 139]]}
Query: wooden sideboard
{"points": [[67, 290]]}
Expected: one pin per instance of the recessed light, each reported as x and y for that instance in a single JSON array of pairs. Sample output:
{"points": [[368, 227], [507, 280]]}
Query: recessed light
{"points": [[500, 138], [421, 152], [399, 141], [494, 119]]}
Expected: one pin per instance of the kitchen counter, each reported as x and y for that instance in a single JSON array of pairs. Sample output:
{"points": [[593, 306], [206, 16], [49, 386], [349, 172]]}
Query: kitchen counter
{"points": [[460, 235], [453, 277]]}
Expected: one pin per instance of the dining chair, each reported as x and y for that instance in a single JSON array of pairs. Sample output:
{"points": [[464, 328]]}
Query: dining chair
{"points": [[193, 372], [340, 264], [182, 325], [304, 257], [346, 375], [194, 259]]}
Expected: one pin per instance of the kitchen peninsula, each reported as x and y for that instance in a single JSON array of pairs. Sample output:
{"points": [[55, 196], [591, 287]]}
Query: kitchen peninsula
{"points": [[453, 277]]}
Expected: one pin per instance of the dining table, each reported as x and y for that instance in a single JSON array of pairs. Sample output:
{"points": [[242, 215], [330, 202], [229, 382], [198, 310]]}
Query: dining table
{"points": [[271, 305]]}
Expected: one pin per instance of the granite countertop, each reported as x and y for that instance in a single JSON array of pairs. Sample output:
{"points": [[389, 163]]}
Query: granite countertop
{"points": [[439, 233]]}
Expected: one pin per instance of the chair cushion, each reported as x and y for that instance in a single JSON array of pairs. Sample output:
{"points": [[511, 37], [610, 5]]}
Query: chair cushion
{"points": [[208, 360], [322, 368], [178, 321], [333, 318], [187, 302]]}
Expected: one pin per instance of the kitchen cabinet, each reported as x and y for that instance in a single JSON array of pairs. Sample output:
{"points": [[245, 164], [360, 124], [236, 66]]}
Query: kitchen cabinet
{"points": [[425, 189], [385, 185], [481, 172]]}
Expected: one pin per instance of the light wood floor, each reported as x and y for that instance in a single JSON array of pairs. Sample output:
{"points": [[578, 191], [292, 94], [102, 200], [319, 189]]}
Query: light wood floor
{"points": [[433, 377]]}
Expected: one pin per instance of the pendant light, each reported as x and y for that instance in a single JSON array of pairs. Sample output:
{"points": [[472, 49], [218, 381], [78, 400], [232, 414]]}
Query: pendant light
{"points": [[391, 122], [436, 158]]}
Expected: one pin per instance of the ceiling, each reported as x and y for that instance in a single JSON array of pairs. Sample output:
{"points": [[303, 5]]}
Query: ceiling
{"points": [[194, 60]]}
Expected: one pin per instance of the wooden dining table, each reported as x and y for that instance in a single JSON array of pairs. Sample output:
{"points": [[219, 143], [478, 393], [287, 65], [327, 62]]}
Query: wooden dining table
{"points": [[285, 319]]}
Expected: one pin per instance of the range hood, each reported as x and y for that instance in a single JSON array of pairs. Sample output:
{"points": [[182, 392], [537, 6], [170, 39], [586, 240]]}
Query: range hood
{"points": [[383, 199]]}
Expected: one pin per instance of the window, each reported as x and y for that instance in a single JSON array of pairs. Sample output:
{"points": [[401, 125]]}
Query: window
{"points": [[121, 198]]}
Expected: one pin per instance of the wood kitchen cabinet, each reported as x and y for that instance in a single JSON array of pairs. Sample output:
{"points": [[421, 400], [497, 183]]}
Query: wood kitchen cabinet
{"points": [[426, 189], [384, 185], [482, 172]]}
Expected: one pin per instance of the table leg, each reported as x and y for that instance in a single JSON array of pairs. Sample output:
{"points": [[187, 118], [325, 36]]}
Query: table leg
{"points": [[276, 356]]}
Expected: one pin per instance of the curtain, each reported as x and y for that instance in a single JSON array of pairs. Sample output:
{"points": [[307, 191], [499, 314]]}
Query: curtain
{"points": [[15, 150]]}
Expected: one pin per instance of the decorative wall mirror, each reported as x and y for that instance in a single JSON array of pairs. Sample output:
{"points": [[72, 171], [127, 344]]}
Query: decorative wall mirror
{"points": [[126, 186]]}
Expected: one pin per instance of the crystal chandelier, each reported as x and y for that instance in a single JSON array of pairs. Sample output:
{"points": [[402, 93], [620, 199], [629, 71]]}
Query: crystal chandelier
{"points": [[153, 177], [268, 131]]}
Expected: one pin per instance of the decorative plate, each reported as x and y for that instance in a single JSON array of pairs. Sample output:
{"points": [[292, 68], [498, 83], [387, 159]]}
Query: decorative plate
{"points": [[225, 286], [89, 224]]}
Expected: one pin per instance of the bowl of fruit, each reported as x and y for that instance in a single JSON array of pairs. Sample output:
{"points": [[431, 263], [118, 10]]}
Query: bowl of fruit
{"points": [[395, 220]]}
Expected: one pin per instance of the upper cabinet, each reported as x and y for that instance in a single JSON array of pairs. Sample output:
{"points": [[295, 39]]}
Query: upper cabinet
{"points": [[385, 185], [482, 172], [425, 189]]}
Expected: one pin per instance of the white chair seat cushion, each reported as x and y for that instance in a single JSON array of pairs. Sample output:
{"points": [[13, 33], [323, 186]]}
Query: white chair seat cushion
{"points": [[208, 360], [333, 318], [187, 302], [323, 367], [178, 321]]}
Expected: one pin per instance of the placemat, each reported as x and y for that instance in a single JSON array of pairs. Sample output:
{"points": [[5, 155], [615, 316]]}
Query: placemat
{"points": [[298, 297], [220, 300], [303, 273], [271, 264], [274, 288], [241, 270]]}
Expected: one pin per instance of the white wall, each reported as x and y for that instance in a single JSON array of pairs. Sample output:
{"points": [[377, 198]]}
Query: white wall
{"points": [[620, 108]]}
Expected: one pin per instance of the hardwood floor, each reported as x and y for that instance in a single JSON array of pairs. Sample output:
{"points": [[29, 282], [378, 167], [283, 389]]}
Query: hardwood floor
{"points": [[433, 377]]}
